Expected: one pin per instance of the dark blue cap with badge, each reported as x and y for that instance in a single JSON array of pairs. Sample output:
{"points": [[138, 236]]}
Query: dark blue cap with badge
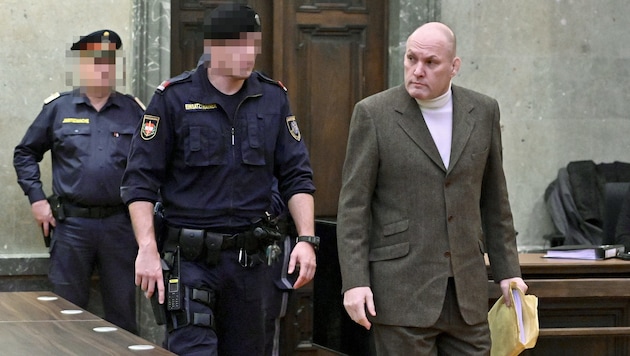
{"points": [[228, 21], [91, 42]]}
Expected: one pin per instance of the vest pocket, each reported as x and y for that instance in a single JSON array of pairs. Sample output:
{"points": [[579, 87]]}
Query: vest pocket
{"points": [[204, 147], [253, 147]]}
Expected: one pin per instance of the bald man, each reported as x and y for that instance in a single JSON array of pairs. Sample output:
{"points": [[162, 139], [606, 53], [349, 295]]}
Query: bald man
{"points": [[423, 197]]}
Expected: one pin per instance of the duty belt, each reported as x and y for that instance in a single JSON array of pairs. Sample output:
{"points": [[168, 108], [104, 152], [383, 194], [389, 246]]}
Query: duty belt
{"points": [[211, 239], [204, 245], [93, 212]]}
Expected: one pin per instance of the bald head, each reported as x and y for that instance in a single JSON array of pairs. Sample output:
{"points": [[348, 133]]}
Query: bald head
{"points": [[430, 61], [435, 32]]}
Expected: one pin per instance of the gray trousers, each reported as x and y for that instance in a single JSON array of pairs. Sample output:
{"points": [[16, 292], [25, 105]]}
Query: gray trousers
{"points": [[449, 336]]}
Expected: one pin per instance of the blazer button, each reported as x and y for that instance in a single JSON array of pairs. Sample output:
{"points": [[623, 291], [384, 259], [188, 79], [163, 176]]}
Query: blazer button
{"points": [[450, 218], [447, 254]]}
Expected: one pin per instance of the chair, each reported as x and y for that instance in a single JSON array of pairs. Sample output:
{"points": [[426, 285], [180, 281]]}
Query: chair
{"points": [[576, 202], [614, 193]]}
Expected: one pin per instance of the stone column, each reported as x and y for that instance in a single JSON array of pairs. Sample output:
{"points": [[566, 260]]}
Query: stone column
{"points": [[151, 62], [404, 17]]}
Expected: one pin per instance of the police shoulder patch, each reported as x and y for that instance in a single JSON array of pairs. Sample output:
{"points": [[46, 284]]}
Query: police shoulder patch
{"points": [[266, 79], [149, 126], [178, 79], [293, 128], [52, 97], [138, 101]]}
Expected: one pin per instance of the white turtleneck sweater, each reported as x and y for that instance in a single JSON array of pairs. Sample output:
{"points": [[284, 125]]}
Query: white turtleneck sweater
{"points": [[438, 115]]}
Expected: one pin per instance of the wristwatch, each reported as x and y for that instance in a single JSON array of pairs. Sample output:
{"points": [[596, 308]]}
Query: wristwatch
{"points": [[313, 240]]}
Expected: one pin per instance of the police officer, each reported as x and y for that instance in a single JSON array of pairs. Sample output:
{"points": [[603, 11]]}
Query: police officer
{"points": [[210, 144], [88, 131]]}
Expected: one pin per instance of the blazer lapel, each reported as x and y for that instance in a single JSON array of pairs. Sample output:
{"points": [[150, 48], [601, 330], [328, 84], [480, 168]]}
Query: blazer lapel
{"points": [[412, 122], [462, 125]]}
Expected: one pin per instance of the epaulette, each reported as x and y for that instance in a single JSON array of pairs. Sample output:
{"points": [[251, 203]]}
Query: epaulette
{"points": [[52, 97], [137, 100], [266, 79], [178, 79]]}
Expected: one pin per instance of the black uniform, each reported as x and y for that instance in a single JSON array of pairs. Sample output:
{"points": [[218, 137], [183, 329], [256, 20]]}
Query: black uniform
{"points": [[89, 154], [212, 163], [212, 158]]}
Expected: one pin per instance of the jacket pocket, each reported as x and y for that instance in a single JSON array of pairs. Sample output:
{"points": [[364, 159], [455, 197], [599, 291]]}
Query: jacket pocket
{"points": [[389, 252], [204, 146], [120, 141], [253, 146], [74, 140], [479, 155], [396, 227]]}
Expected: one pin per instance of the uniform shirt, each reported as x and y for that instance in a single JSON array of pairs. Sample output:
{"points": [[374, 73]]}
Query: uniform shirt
{"points": [[88, 148], [209, 170]]}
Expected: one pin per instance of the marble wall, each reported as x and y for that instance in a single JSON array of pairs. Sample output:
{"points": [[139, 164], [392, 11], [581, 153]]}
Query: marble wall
{"points": [[33, 64], [557, 69], [34, 40], [151, 51]]}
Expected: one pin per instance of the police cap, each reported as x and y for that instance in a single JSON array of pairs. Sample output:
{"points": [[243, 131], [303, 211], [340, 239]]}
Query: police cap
{"points": [[103, 36], [228, 21]]}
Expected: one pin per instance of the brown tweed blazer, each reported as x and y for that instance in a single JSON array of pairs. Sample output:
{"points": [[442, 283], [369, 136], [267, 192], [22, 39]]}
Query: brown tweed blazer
{"points": [[404, 220]]}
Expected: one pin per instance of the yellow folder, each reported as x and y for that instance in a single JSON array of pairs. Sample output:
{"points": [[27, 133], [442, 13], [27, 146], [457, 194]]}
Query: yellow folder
{"points": [[513, 329]]}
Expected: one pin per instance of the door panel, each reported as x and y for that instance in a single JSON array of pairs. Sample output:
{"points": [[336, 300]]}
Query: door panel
{"points": [[333, 55], [187, 32]]}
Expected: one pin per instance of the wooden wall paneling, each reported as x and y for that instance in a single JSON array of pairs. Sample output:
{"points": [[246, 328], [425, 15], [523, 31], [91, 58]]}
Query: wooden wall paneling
{"points": [[187, 33], [333, 55]]}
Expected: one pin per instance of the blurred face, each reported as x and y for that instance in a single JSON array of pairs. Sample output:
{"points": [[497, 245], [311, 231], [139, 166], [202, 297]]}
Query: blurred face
{"points": [[97, 66], [234, 57], [430, 61]]}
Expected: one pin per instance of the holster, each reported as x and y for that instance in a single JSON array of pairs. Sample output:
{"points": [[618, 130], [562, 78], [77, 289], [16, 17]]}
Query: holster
{"points": [[159, 225], [57, 207]]}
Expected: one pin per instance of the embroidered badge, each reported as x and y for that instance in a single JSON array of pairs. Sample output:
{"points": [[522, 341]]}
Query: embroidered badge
{"points": [[75, 120], [149, 126], [293, 128], [199, 106]]}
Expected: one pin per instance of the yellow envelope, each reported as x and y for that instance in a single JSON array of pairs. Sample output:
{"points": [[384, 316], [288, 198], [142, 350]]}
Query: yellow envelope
{"points": [[514, 329]]}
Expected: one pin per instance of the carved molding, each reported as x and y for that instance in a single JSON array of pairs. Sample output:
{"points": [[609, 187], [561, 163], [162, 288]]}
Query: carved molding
{"points": [[319, 6]]}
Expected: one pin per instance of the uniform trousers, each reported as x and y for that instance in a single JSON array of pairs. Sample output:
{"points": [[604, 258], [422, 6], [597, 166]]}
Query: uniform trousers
{"points": [[238, 313], [450, 335], [81, 245]]}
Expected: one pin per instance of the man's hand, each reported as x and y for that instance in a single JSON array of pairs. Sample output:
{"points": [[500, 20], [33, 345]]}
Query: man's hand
{"points": [[149, 272], [356, 300], [303, 255], [43, 215], [505, 288], [148, 263]]}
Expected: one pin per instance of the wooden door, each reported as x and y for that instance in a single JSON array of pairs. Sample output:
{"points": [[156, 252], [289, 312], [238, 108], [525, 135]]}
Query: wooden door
{"points": [[187, 32], [329, 54]]}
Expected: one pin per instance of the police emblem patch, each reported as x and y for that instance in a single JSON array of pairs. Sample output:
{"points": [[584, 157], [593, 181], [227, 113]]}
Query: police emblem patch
{"points": [[293, 128], [149, 126]]}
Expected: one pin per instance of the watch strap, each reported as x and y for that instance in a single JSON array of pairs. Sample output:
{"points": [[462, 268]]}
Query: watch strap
{"points": [[313, 240]]}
